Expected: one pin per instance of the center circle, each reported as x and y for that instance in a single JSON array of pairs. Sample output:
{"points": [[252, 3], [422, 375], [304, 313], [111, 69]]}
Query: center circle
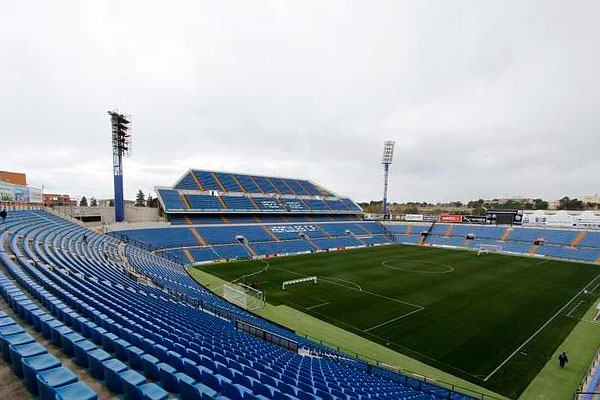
{"points": [[408, 266]]}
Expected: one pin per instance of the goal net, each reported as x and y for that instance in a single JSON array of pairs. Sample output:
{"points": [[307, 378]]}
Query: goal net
{"points": [[489, 248], [308, 279], [244, 296]]}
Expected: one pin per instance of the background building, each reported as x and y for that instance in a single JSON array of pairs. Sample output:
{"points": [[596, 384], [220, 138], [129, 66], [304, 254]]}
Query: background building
{"points": [[16, 178]]}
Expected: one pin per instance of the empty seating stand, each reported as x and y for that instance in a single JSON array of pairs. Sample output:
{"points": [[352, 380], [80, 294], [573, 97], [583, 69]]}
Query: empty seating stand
{"points": [[222, 241], [141, 342], [576, 245], [42, 374]]}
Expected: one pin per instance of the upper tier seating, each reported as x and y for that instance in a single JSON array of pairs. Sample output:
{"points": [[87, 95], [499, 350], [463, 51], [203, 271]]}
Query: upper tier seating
{"points": [[228, 182], [175, 201], [202, 219], [144, 341]]}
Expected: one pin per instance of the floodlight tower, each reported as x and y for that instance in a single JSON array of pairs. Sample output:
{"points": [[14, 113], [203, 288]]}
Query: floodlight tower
{"points": [[386, 160], [121, 144]]}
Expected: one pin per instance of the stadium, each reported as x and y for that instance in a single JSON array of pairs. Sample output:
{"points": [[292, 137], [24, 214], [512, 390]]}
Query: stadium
{"points": [[258, 244], [277, 288]]}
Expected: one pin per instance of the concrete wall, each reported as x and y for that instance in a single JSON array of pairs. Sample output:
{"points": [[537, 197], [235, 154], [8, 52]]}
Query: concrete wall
{"points": [[107, 214]]}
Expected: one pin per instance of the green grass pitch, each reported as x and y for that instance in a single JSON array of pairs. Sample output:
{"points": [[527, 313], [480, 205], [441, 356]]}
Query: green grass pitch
{"points": [[491, 319]]}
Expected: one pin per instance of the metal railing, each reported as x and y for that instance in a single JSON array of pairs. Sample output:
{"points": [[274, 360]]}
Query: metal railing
{"points": [[438, 388], [584, 390], [402, 376], [145, 246]]}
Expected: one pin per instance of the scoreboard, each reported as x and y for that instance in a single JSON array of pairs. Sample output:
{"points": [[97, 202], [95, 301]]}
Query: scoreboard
{"points": [[504, 217]]}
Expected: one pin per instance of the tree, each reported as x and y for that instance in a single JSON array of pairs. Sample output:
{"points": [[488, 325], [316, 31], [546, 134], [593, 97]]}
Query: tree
{"points": [[140, 199], [93, 202], [539, 204], [83, 202], [570, 204], [152, 201], [479, 210]]}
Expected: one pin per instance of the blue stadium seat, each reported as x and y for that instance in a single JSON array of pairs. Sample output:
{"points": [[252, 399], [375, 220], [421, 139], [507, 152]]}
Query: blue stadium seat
{"points": [[75, 391], [32, 366], [50, 380], [18, 352]]}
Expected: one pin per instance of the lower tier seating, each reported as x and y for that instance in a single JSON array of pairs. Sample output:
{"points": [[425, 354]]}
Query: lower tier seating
{"points": [[164, 339]]}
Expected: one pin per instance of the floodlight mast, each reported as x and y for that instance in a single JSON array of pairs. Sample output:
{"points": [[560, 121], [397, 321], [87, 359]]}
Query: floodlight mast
{"points": [[121, 144], [386, 160]]}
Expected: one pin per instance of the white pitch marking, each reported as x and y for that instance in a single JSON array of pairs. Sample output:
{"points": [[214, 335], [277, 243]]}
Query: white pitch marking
{"points": [[318, 305], [266, 268], [344, 280], [574, 308], [447, 271], [539, 330], [394, 319], [349, 288]]}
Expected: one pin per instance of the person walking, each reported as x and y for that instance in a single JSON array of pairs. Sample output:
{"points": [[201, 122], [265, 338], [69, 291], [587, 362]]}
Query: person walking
{"points": [[3, 214], [563, 359]]}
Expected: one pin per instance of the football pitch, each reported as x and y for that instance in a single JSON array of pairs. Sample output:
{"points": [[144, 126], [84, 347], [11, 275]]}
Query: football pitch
{"points": [[492, 319]]}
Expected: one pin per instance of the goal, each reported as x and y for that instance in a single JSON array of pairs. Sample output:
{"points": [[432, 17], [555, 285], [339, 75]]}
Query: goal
{"points": [[244, 296], [489, 248], [308, 279]]}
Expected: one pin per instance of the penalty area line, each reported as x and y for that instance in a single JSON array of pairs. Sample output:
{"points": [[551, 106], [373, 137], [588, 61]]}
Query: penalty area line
{"points": [[539, 330], [575, 308]]}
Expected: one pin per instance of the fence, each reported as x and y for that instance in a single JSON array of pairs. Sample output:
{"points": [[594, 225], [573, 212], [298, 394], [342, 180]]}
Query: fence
{"points": [[145, 246], [437, 388], [584, 391], [20, 206]]}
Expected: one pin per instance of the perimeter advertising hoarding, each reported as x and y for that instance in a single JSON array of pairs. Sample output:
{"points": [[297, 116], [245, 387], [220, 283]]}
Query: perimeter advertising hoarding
{"points": [[452, 218], [35, 195], [6, 192], [413, 217], [10, 192], [430, 217], [474, 219]]}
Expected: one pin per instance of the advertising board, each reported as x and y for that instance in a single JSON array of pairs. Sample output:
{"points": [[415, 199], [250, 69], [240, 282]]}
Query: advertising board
{"points": [[452, 218]]}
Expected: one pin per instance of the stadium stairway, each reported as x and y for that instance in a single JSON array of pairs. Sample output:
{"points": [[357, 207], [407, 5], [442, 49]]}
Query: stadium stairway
{"points": [[196, 181], [577, 239], [185, 201], [250, 250], [144, 341], [270, 233], [532, 250], [506, 234], [188, 255], [198, 237], [448, 231]]}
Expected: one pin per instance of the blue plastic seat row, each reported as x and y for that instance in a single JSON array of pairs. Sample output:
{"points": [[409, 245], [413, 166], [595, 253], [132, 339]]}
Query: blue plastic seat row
{"points": [[42, 373], [131, 334]]}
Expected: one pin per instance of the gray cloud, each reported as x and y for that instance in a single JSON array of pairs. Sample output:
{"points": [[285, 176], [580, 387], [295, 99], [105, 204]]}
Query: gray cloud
{"points": [[483, 98]]}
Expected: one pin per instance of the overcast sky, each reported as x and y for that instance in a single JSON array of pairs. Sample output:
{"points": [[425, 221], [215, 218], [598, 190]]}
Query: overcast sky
{"points": [[483, 98]]}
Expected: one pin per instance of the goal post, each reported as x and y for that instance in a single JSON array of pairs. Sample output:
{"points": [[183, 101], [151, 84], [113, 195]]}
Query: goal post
{"points": [[308, 279], [244, 296]]}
